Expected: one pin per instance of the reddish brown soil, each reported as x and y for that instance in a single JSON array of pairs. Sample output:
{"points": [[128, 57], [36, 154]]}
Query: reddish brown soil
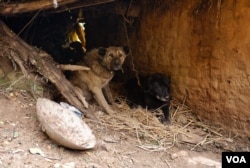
{"points": [[20, 131]]}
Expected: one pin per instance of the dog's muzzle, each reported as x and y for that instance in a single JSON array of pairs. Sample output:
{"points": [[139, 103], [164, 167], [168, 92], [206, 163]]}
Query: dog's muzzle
{"points": [[116, 64], [164, 99]]}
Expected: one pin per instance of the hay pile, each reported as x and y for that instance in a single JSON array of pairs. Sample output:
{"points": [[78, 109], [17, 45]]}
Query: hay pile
{"points": [[150, 134]]}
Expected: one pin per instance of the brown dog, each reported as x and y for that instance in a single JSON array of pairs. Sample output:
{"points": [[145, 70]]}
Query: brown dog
{"points": [[102, 63]]}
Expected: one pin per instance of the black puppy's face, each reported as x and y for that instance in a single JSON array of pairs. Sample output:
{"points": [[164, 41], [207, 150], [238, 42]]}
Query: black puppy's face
{"points": [[159, 87]]}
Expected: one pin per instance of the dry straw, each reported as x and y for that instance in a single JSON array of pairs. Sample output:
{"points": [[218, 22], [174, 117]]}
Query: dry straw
{"points": [[150, 134]]}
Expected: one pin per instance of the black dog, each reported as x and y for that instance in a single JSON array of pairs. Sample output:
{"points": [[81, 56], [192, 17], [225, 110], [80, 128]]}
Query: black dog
{"points": [[153, 92]]}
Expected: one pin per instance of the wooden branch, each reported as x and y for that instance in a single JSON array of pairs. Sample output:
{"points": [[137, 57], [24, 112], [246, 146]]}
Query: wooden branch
{"points": [[8, 9], [81, 4], [15, 57], [43, 63], [74, 67], [17, 8]]}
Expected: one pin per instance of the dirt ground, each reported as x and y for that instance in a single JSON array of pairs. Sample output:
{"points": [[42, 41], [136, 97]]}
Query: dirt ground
{"points": [[20, 132]]}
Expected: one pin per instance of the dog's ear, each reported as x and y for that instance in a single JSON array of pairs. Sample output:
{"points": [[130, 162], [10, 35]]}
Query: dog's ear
{"points": [[126, 49], [102, 51]]}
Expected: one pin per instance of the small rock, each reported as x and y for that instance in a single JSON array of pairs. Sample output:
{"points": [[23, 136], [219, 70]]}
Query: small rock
{"points": [[5, 143], [69, 165], [36, 151], [182, 119], [11, 94], [15, 134], [91, 165], [229, 140], [57, 165], [178, 154], [190, 138], [174, 156], [100, 113]]}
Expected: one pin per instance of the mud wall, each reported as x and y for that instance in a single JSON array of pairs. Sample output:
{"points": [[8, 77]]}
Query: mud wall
{"points": [[204, 46]]}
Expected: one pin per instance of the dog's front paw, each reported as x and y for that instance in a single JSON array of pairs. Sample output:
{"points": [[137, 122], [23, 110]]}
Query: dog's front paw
{"points": [[110, 111], [165, 121]]}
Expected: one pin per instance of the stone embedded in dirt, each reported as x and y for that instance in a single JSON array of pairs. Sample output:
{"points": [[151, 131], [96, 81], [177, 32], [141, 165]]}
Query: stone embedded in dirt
{"points": [[91, 165], [69, 165], [36, 151], [63, 126], [190, 138], [178, 154], [182, 119], [57, 165], [15, 134]]}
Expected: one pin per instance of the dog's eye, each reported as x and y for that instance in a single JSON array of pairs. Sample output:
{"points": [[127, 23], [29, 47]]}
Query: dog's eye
{"points": [[111, 55], [120, 55]]}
